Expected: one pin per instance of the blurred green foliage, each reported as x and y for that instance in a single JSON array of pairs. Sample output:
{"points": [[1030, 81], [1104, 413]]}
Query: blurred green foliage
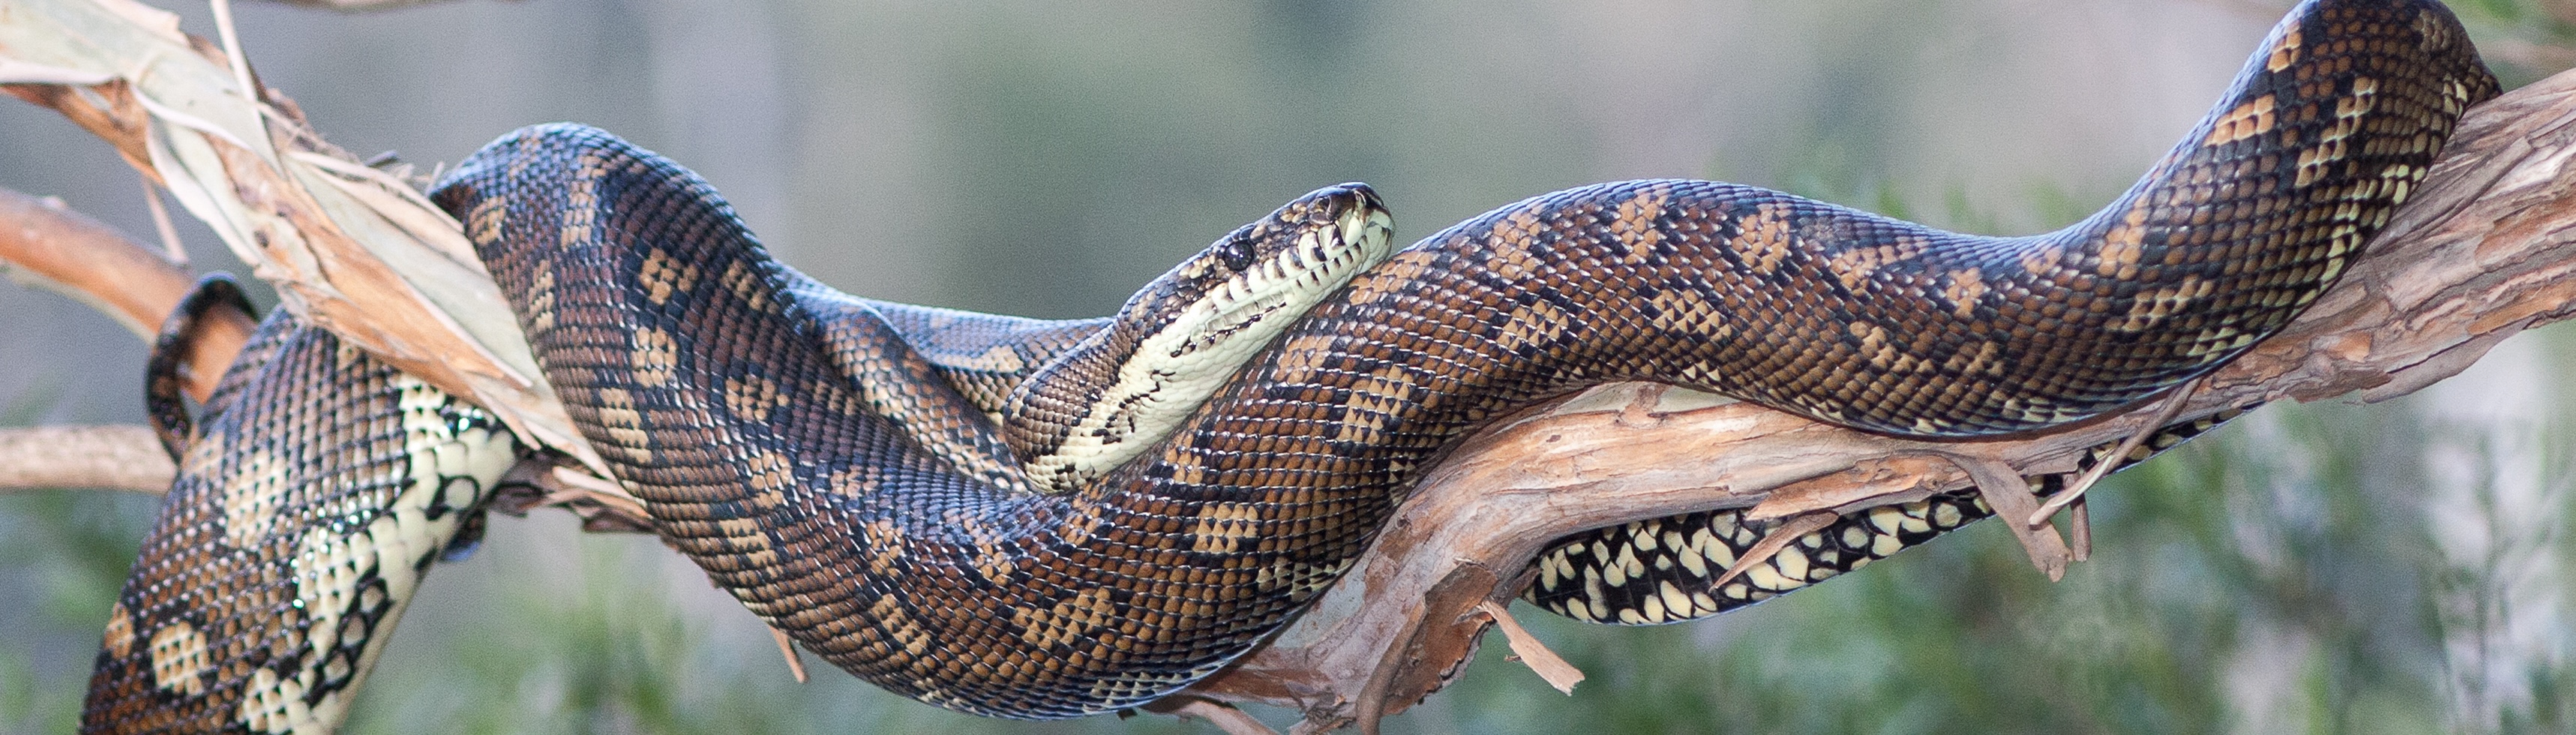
{"points": [[2393, 568]]}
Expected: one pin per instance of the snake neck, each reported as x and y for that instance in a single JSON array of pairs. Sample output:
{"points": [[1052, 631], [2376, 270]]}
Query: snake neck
{"points": [[1121, 390]]}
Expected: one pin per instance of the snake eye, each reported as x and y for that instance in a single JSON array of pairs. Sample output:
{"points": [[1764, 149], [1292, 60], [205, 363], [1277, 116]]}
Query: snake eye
{"points": [[1237, 254]]}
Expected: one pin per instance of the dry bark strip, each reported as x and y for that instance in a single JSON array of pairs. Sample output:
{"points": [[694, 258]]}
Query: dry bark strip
{"points": [[2482, 253], [354, 249], [351, 248]]}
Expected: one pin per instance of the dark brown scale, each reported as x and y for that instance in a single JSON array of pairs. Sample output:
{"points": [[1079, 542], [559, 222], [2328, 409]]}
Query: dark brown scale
{"points": [[304, 436], [828, 520]]}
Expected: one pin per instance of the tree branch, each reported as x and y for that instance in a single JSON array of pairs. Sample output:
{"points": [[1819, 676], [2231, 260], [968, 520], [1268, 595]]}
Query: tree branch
{"points": [[49, 246], [2482, 253], [105, 457]]}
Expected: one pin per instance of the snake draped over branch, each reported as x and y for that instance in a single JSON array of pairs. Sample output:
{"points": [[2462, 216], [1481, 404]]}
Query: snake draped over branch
{"points": [[1035, 519]]}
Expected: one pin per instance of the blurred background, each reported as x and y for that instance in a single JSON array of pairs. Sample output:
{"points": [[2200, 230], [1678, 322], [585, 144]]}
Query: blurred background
{"points": [[2395, 568]]}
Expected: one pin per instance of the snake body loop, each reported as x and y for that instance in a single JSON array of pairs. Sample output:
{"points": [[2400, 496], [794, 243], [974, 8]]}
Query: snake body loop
{"points": [[836, 463]]}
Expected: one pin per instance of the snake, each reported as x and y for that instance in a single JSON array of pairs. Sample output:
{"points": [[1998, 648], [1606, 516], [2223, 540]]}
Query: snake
{"points": [[1040, 519]]}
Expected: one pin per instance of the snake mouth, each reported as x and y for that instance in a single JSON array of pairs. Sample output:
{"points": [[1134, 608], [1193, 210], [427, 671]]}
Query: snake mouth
{"points": [[1329, 236], [1233, 298]]}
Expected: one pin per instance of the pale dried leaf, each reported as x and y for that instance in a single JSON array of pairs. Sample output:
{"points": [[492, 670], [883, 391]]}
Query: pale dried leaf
{"points": [[352, 250]]}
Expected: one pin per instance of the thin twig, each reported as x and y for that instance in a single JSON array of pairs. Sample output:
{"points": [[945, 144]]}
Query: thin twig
{"points": [[585, 486], [2074, 491], [2079, 530], [787, 647], [233, 49], [1533, 653], [1771, 543], [170, 247], [1224, 716]]}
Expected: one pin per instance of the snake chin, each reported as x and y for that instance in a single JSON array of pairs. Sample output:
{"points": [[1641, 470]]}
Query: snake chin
{"points": [[1184, 336]]}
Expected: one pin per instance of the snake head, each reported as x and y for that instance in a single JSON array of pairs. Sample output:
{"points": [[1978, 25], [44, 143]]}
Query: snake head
{"points": [[1185, 333], [1284, 262]]}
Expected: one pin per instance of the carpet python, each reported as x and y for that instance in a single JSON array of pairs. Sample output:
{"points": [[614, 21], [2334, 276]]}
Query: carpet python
{"points": [[1037, 519]]}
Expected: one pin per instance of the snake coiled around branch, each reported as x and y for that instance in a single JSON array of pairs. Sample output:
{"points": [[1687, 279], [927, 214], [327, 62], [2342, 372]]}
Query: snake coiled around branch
{"points": [[1015, 518]]}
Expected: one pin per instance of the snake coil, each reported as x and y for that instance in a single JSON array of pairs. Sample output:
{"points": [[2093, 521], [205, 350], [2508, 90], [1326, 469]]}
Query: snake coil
{"points": [[861, 476]]}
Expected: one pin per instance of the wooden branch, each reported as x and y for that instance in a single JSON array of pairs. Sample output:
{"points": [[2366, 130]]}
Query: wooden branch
{"points": [[105, 457], [50, 246], [2483, 252]]}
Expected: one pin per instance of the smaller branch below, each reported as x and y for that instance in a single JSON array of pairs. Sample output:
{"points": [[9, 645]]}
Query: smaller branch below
{"points": [[111, 457], [49, 246], [787, 647], [1224, 716], [1531, 652]]}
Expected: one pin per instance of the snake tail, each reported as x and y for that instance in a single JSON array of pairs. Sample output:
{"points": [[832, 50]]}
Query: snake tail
{"points": [[164, 384]]}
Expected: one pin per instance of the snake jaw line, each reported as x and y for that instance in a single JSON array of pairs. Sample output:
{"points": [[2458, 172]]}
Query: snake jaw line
{"points": [[1144, 376]]}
